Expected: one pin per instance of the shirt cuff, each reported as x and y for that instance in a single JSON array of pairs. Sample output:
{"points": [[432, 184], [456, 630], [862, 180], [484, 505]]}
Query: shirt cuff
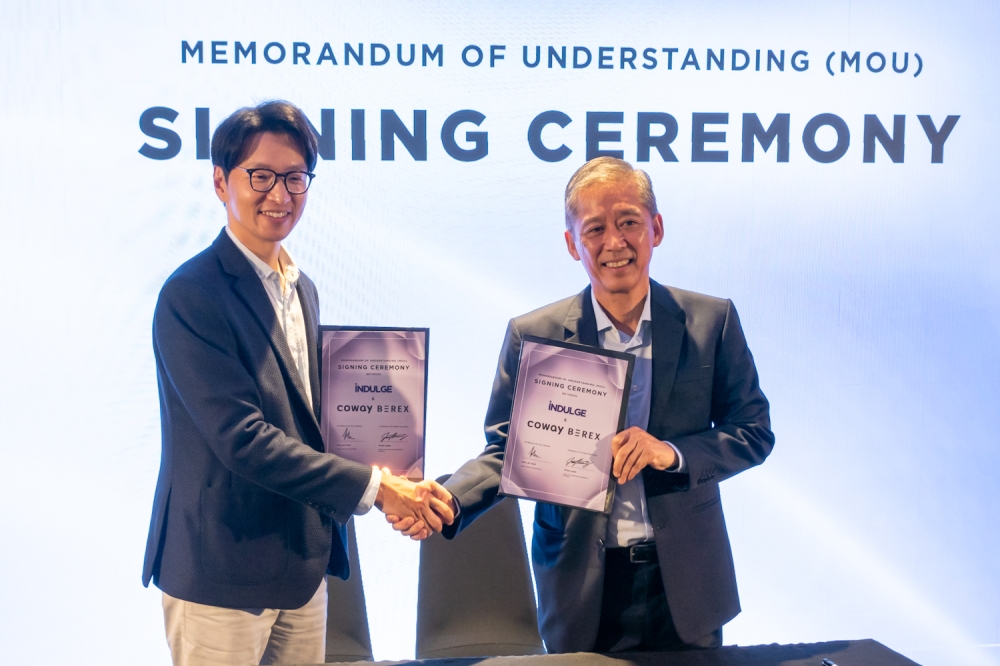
{"points": [[368, 499], [678, 465]]}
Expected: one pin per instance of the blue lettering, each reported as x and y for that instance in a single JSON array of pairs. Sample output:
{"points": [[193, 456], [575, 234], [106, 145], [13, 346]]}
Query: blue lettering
{"points": [[381, 57], [670, 56], [219, 53], [871, 57], [699, 137], [359, 55], [937, 137], [906, 62], [475, 49], [358, 135], [649, 55], [843, 138], [325, 144], [154, 131], [753, 129], [538, 56], [187, 50], [627, 57], [478, 139], [250, 50], [690, 60], [267, 52], [399, 55], [779, 63], [415, 142], [559, 57], [535, 136], [875, 131], [799, 61], [437, 53], [604, 54], [846, 61], [719, 62], [595, 136], [326, 53], [645, 140], [202, 134], [746, 60], [300, 50], [496, 53]]}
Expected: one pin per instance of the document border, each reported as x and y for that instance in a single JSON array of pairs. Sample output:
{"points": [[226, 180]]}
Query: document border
{"points": [[623, 411], [325, 328]]}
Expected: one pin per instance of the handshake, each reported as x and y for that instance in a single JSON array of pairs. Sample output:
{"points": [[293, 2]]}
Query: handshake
{"points": [[418, 510]]}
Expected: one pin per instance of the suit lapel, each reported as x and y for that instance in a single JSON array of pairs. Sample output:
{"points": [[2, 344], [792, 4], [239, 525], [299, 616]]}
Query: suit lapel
{"points": [[311, 317], [580, 327], [581, 324], [668, 336], [247, 286]]}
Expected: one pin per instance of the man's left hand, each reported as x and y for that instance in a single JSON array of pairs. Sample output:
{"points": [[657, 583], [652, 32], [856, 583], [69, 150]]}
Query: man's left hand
{"points": [[634, 449]]}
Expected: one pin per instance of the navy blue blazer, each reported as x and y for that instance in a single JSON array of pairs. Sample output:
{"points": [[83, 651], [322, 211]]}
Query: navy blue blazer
{"points": [[249, 510], [706, 400]]}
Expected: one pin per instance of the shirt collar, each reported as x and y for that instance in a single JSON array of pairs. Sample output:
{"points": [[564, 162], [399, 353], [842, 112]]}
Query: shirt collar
{"points": [[264, 271], [604, 323]]}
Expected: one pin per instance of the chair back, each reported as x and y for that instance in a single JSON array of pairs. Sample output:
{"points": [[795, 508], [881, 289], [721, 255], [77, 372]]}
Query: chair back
{"points": [[474, 596], [347, 637]]}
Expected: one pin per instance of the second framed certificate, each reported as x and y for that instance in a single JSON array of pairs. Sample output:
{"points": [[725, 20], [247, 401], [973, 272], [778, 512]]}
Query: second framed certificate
{"points": [[374, 400], [569, 402]]}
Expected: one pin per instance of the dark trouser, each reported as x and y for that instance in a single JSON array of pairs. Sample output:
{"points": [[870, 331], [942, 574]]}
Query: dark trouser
{"points": [[634, 612]]}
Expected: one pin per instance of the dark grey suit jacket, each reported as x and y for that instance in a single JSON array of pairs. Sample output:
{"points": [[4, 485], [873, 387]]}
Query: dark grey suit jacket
{"points": [[249, 510], [706, 401]]}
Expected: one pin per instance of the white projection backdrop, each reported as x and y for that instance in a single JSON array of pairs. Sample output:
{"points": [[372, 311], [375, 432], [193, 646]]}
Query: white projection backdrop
{"points": [[869, 290]]}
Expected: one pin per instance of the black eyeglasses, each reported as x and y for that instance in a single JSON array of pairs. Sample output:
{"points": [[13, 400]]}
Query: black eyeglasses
{"points": [[263, 180]]}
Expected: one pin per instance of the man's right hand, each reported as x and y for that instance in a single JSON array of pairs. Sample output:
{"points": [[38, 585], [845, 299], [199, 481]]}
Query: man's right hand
{"points": [[439, 502], [416, 509]]}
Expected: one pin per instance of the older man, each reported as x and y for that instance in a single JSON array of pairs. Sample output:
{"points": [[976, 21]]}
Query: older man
{"points": [[658, 572]]}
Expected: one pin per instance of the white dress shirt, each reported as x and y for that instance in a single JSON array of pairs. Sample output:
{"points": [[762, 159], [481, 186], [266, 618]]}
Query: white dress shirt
{"points": [[284, 298], [629, 522]]}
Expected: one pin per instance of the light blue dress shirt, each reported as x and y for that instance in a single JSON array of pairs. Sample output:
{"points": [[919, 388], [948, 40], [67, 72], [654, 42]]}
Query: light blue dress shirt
{"points": [[629, 522]]}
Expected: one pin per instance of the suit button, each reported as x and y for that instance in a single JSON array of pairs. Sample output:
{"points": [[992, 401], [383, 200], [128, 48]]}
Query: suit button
{"points": [[600, 544]]}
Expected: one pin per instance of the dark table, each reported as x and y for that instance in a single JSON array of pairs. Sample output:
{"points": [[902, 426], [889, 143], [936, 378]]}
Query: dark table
{"points": [[842, 653]]}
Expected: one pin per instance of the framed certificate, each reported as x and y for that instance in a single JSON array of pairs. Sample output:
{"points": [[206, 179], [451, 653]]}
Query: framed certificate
{"points": [[374, 395], [569, 401]]}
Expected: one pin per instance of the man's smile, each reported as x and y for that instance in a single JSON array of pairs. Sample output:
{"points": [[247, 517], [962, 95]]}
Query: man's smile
{"points": [[619, 263]]}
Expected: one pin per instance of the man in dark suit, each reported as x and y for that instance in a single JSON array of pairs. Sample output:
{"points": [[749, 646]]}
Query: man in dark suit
{"points": [[249, 513], [658, 572]]}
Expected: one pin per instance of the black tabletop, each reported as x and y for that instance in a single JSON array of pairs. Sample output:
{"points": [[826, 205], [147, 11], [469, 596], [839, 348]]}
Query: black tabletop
{"points": [[840, 653]]}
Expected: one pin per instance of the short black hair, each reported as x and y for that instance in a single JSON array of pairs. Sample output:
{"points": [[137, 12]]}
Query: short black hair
{"points": [[234, 136]]}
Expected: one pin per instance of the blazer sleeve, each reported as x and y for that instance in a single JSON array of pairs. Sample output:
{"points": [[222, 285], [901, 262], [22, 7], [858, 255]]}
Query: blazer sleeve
{"points": [[740, 436], [200, 360], [476, 483]]}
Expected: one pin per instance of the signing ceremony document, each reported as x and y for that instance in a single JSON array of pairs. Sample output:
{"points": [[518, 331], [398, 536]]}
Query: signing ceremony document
{"points": [[374, 400], [569, 401]]}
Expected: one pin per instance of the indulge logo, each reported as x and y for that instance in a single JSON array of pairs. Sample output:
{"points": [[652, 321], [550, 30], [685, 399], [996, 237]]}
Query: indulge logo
{"points": [[566, 409], [364, 388]]}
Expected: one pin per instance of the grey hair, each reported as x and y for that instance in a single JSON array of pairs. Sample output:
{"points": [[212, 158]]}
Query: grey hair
{"points": [[607, 170]]}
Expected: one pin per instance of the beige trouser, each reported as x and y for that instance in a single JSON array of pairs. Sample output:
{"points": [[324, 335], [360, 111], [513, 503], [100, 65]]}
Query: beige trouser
{"points": [[209, 635]]}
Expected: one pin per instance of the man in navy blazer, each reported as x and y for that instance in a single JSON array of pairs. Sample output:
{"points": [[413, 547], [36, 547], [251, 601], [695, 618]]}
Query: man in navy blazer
{"points": [[657, 573], [249, 513]]}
